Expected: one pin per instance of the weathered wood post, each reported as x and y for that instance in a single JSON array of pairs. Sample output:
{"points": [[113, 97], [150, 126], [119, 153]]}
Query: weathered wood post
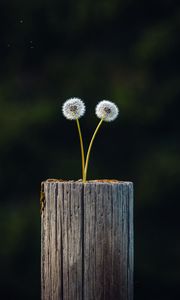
{"points": [[87, 240]]}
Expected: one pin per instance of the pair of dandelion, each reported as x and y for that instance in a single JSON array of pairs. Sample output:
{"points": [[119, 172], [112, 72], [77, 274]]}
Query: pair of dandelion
{"points": [[74, 108]]}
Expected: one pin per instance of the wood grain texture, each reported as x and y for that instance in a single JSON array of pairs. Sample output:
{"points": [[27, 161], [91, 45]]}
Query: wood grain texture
{"points": [[87, 241]]}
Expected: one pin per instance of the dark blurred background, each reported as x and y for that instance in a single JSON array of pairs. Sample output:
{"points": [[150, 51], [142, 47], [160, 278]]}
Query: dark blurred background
{"points": [[125, 51]]}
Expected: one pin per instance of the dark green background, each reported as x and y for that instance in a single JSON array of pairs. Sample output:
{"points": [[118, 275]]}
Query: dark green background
{"points": [[126, 51]]}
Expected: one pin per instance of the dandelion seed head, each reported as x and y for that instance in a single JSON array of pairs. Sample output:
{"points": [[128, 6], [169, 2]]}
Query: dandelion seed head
{"points": [[73, 108], [107, 110]]}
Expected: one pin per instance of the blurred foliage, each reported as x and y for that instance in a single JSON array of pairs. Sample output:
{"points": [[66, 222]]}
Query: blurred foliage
{"points": [[125, 51]]}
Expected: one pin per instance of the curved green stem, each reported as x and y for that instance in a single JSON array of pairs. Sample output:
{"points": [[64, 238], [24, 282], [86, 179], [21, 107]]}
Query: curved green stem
{"points": [[89, 150], [82, 147]]}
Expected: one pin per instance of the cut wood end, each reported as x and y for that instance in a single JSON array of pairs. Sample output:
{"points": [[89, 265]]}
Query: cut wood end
{"points": [[88, 181]]}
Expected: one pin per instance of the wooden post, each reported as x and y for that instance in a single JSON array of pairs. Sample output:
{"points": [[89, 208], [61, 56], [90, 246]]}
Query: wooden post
{"points": [[87, 240]]}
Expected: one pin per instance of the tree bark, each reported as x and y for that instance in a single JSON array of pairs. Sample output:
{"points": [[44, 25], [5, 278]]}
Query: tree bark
{"points": [[87, 240]]}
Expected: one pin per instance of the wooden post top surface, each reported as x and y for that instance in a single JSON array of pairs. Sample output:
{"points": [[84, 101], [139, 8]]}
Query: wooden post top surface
{"points": [[96, 181]]}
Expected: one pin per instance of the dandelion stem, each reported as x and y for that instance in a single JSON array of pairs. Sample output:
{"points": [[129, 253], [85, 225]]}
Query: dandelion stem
{"points": [[89, 149], [82, 147]]}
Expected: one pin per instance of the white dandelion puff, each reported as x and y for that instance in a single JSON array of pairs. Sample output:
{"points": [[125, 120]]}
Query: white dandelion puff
{"points": [[107, 110], [73, 108]]}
